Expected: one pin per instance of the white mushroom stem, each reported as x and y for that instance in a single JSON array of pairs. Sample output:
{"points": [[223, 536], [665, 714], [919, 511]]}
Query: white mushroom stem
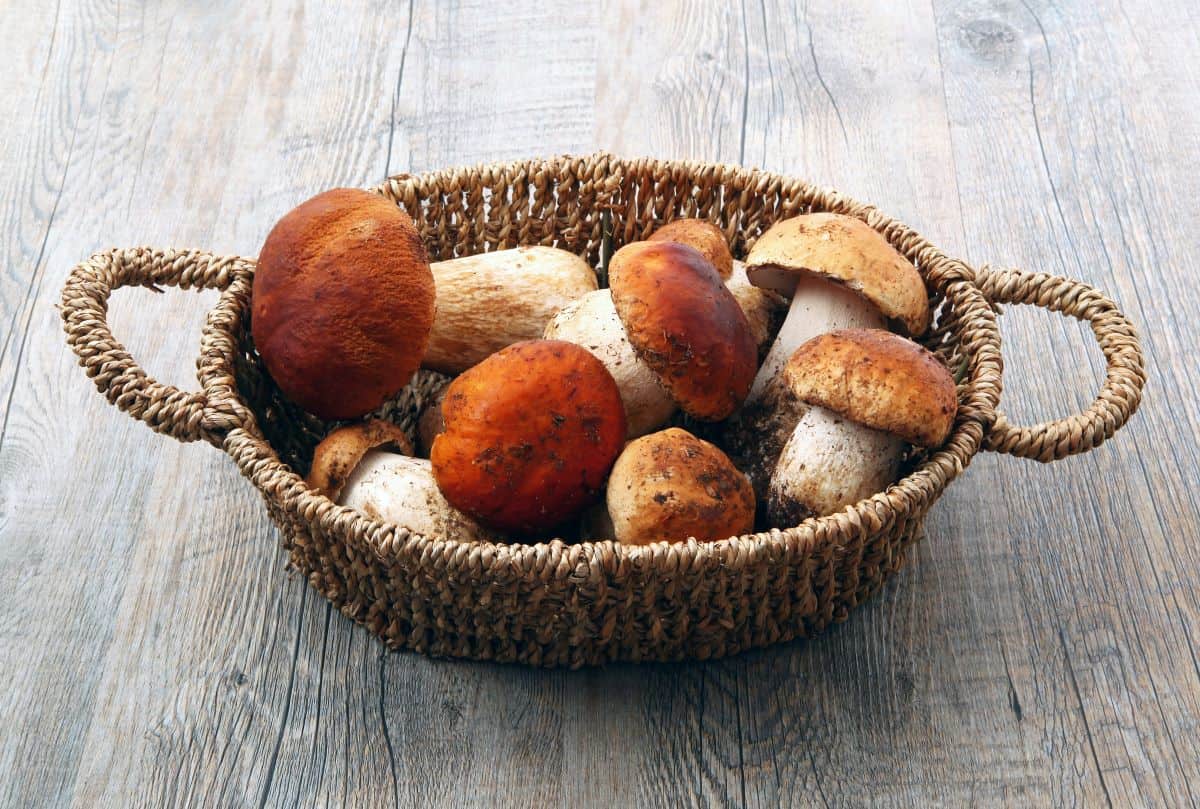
{"points": [[401, 490], [829, 463], [492, 300], [592, 322], [818, 306]]}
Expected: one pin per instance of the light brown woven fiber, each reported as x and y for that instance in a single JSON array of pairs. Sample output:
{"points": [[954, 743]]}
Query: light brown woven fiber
{"points": [[561, 604]]}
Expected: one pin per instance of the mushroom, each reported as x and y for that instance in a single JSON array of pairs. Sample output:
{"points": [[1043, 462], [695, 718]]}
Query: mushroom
{"points": [[343, 303], [671, 485], [763, 308], [531, 433], [839, 273], [367, 467], [669, 332], [870, 393], [702, 235], [491, 300], [685, 324]]}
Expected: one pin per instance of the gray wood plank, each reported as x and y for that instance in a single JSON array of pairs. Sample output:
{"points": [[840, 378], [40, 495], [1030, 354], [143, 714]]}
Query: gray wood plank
{"points": [[1065, 159], [1041, 647]]}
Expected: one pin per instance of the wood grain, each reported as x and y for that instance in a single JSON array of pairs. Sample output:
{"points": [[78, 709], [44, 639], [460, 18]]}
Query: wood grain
{"points": [[1040, 649]]}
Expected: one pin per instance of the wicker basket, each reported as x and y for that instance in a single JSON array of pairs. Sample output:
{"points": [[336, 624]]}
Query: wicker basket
{"points": [[560, 604]]}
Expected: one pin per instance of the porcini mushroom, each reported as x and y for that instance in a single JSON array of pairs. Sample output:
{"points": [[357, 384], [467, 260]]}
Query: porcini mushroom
{"points": [[684, 323], [671, 485], [668, 330], [367, 467], [343, 302], [839, 273], [702, 235], [531, 433], [491, 300], [870, 394]]}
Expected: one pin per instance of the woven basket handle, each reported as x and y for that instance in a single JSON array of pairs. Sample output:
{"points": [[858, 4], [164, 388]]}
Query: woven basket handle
{"points": [[166, 409], [1126, 375]]}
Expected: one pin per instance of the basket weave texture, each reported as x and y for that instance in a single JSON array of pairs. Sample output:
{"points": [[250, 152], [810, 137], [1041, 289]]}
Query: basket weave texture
{"points": [[556, 603]]}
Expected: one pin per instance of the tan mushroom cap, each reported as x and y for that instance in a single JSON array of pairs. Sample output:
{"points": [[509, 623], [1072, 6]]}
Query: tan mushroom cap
{"points": [[671, 485], [846, 250], [340, 452], [878, 379], [702, 235], [685, 324]]}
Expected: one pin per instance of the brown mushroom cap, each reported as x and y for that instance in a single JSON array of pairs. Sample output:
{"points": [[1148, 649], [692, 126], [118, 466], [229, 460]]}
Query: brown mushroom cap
{"points": [[343, 302], [702, 235], [671, 485], [339, 453], [878, 379], [846, 250], [685, 324], [531, 433]]}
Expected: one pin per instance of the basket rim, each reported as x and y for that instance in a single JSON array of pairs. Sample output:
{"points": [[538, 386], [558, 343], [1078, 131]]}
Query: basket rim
{"points": [[976, 329]]}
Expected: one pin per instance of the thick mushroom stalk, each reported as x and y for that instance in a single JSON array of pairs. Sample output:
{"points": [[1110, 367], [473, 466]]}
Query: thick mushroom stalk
{"points": [[869, 394], [492, 300], [830, 462], [592, 322]]}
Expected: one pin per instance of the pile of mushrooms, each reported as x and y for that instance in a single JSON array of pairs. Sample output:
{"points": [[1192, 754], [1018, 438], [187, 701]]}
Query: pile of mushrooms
{"points": [[581, 411]]}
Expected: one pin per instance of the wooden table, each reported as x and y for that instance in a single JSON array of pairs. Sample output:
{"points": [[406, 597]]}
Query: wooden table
{"points": [[1039, 649]]}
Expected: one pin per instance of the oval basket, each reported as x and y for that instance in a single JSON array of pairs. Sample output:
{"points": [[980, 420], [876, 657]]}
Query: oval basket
{"points": [[562, 604]]}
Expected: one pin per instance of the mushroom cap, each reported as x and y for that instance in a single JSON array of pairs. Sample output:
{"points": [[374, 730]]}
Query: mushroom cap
{"points": [[339, 453], [671, 485], [685, 324], [531, 433], [878, 379], [343, 302], [845, 250], [702, 235]]}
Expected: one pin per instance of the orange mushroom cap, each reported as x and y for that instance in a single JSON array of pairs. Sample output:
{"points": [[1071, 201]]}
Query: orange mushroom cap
{"points": [[685, 324], [343, 303], [531, 433]]}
